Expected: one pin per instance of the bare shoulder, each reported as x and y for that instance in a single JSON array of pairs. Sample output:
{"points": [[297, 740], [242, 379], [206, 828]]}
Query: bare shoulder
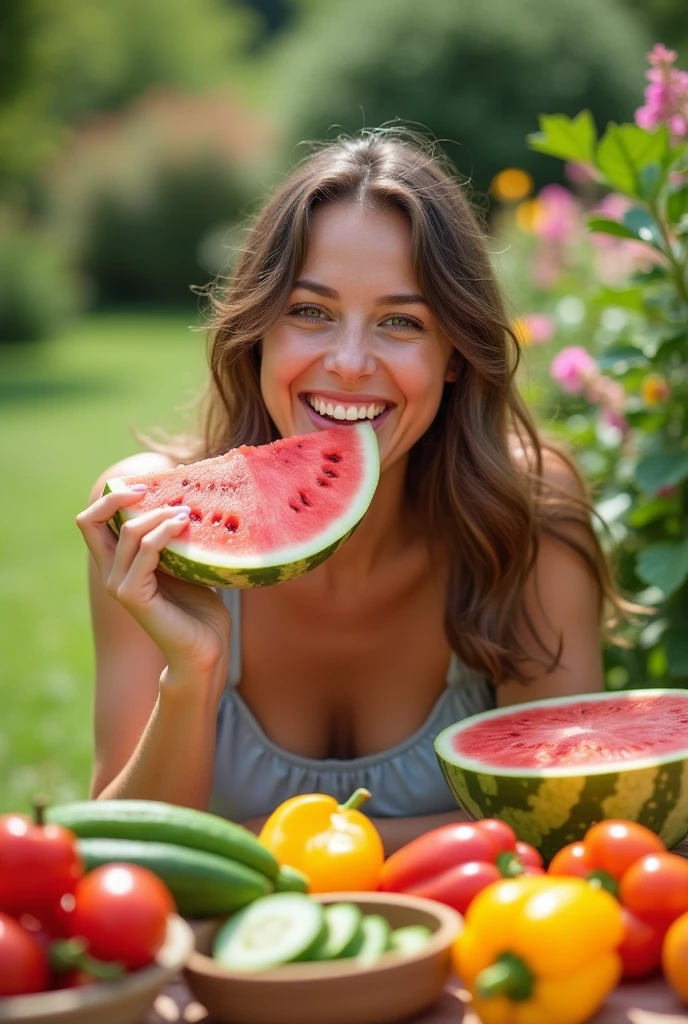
{"points": [[133, 465], [558, 470]]}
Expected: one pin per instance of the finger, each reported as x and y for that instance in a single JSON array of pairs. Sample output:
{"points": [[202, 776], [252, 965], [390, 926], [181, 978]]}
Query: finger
{"points": [[139, 585], [93, 521], [132, 533]]}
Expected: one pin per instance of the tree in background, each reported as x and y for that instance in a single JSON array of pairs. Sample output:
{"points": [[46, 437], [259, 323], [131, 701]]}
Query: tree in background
{"points": [[474, 74]]}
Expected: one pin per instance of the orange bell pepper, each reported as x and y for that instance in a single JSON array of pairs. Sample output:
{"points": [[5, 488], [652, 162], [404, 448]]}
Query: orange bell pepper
{"points": [[539, 950], [336, 846]]}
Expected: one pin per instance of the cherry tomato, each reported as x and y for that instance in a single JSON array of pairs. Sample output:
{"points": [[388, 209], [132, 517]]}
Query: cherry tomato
{"points": [[121, 910], [655, 888], [24, 966], [613, 846], [38, 863], [573, 859], [503, 835], [641, 948], [528, 855], [459, 885], [675, 957]]}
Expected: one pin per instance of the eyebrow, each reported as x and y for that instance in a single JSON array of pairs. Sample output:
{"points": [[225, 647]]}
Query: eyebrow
{"points": [[403, 299]]}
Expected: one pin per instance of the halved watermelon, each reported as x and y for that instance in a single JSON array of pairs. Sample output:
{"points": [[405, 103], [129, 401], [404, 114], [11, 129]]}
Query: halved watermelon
{"points": [[552, 768], [261, 515]]}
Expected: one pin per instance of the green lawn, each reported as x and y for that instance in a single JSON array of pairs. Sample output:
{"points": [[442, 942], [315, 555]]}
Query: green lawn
{"points": [[67, 410]]}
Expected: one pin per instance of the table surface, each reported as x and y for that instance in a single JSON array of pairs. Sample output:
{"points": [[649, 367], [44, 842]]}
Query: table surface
{"points": [[649, 1001]]}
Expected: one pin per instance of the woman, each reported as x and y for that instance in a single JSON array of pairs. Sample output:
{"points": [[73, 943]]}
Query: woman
{"points": [[474, 579]]}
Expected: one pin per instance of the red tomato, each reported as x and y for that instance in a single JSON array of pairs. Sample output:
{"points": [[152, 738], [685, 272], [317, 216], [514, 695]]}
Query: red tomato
{"points": [[121, 910], [641, 948], [24, 966], [457, 886], [38, 863], [433, 853], [614, 845], [528, 855], [503, 835], [655, 888], [573, 859]]}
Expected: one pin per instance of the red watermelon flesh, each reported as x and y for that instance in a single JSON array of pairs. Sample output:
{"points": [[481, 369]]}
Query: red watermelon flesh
{"points": [[580, 733]]}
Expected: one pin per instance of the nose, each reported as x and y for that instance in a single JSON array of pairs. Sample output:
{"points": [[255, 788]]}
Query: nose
{"points": [[350, 356]]}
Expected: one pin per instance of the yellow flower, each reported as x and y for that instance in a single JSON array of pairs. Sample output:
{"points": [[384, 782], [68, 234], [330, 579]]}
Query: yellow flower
{"points": [[511, 184], [654, 389], [528, 214]]}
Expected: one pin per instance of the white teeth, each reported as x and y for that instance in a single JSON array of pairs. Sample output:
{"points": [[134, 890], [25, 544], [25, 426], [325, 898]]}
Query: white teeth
{"points": [[350, 413]]}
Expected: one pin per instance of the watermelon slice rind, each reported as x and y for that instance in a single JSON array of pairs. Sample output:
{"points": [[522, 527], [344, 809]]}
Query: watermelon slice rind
{"points": [[195, 564]]}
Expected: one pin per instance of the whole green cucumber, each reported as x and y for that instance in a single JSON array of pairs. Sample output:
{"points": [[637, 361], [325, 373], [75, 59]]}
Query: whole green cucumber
{"points": [[290, 879], [154, 820], [203, 884]]}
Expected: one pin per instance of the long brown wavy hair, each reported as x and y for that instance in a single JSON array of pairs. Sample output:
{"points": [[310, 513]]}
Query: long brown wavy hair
{"points": [[476, 476]]}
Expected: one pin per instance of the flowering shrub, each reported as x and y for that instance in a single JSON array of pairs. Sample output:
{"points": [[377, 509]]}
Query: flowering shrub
{"points": [[623, 404]]}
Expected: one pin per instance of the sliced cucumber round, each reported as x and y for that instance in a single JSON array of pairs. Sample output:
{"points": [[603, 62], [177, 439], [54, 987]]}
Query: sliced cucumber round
{"points": [[410, 939], [377, 934], [276, 929], [344, 935]]}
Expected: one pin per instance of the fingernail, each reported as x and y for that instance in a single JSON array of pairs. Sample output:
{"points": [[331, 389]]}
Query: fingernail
{"points": [[139, 488], [183, 517], [182, 509]]}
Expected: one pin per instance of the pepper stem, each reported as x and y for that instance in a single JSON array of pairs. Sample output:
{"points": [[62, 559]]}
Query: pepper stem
{"points": [[603, 880], [509, 864], [71, 954], [355, 800], [508, 976], [40, 805]]}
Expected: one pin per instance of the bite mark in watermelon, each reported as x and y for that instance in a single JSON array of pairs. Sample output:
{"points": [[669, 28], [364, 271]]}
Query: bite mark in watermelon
{"points": [[261, 515], [552, 768]]}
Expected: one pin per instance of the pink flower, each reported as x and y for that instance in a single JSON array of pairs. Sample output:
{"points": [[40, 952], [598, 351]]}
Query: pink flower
{"points": [[534, 329], [573, 368], [559, 215], [578, 173], [617, 258], [666, 97]]}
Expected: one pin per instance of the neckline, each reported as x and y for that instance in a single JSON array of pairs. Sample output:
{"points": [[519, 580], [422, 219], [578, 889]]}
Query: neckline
{"points": [[340, 765]]}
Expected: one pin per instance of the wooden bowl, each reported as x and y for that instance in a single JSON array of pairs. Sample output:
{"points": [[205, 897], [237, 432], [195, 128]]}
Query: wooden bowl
{"points": [[338, 991], [116, 1002]]}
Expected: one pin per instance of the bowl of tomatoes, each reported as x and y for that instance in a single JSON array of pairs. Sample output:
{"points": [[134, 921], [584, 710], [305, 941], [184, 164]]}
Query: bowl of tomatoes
{"points": [[77, 946]]}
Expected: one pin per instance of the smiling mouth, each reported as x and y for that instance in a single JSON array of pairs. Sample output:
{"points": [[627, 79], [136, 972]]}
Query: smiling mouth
{"points": [[342, 412]]}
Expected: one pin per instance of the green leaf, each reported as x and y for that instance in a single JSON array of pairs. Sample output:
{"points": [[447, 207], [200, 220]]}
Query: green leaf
{"points": [[664, 565], [565, 137], [622, 354], [663, 469], [676, 646], [643, 226], [623, 298], [649, 511], [649, 181], [625, 150], [604, 226], [677, 204]]}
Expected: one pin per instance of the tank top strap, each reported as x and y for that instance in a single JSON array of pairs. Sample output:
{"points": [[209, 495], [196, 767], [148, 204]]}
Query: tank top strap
{"points": [[232, 600]]}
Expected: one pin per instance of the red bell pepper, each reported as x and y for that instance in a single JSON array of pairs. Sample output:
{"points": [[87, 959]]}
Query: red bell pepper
{"points": [[453, 863]]}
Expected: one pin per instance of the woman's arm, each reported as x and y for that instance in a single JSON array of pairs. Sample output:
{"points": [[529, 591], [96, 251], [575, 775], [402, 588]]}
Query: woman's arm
{"points": [[563, 600]]}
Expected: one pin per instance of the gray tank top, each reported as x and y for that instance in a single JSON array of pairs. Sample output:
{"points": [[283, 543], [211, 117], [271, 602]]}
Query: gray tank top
{"points": [[253, 775]]}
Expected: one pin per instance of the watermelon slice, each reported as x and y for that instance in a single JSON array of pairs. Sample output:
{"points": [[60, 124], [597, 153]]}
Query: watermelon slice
{"points": [[262, 515], [552, 768]]}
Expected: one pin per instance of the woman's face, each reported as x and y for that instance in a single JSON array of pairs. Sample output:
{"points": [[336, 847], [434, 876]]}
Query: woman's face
{"points": [[356, 339]]}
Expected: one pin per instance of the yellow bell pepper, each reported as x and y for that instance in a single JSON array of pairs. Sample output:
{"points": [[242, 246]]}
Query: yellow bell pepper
{"points": [[534, 952], [336, 846]]}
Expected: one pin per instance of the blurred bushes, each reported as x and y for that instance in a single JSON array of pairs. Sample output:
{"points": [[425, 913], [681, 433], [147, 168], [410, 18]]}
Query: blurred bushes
{"points": [[137, 194], [476, 74], [37, 293]]}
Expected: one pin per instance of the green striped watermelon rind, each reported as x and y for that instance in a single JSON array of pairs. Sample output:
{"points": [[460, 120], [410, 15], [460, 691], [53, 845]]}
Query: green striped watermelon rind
{"points": [[551, 807], [192, 563]]}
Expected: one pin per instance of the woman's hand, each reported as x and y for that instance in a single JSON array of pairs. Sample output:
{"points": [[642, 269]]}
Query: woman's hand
{"points": [[189, 623]]}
